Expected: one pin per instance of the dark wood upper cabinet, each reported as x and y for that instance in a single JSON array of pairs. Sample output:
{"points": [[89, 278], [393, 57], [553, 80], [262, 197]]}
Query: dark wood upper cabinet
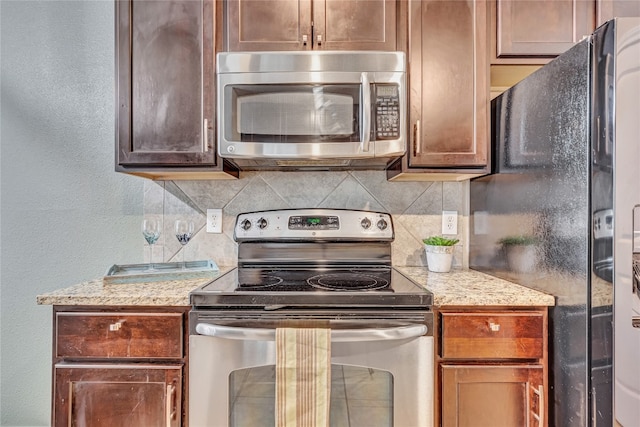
{"points": [[530, 33], [535, 31], [448, 91], [608, 9], [257, 25], [165, 52]]}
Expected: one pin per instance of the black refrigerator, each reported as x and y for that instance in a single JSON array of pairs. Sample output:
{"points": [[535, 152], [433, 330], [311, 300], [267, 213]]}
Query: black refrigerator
{"points": [[558, 214]]}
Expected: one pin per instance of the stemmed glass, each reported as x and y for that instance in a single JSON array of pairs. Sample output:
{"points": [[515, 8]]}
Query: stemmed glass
{"points": [[151, 233], [184, 231]]}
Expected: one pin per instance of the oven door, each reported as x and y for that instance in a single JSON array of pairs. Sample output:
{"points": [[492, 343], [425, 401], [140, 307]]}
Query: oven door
{"points": [[381, 373]]}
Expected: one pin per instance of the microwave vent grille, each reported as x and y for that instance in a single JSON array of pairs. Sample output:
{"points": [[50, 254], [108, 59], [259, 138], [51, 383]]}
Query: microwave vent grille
{"points": [[315, 163]]}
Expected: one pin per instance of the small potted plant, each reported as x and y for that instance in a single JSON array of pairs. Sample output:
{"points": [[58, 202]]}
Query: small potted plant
{"points": [[521, 252], [439, 252]]}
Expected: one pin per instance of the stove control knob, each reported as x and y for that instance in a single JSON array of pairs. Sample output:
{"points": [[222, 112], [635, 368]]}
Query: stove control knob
{"points": [[245, 225], [262, 223], [382, 224], [365, 223]]}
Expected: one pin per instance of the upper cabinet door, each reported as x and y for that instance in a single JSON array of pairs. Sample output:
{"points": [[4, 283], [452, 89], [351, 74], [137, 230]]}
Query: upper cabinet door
{"points": [[256, 25], [165, 83], [354, 25], [540, 28], [608, 9], [259, 25], [449, 84]]}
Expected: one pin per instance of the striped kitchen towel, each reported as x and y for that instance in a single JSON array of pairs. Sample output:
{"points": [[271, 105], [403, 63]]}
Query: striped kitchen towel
{"points": [[303, 377]]}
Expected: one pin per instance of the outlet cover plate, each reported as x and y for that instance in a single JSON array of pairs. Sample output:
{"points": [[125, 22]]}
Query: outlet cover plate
{"points": [[449, 222], [214, 221]]}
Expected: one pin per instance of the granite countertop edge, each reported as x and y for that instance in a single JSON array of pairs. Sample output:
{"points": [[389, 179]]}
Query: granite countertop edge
{"points": [[460, 287]]}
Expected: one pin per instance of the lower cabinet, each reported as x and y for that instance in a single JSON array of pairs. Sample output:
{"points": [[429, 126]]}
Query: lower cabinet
{"points": [[488, 395], [106, 395], [119, 366], [492, 367]]}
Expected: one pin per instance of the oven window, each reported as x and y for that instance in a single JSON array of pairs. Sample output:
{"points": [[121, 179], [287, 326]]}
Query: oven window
{"points": [[292, 113], [359, 396]]}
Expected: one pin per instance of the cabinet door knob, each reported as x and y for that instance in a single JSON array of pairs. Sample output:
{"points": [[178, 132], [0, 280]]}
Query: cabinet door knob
{"points": [[495, 327], [305, 38]]}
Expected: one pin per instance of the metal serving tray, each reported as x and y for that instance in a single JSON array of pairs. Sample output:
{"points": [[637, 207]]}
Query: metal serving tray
{"points": [[139, 273]]}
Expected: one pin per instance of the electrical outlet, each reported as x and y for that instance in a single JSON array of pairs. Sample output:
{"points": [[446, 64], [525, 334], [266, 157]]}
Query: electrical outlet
{"points": [[449, 222], [214, 220]]}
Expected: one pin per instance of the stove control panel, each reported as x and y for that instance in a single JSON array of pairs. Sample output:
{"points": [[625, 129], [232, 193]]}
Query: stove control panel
{"points": [[314, 224]]}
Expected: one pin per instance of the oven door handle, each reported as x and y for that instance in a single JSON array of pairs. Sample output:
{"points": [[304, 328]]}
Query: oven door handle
{"points": [[337, 335]]}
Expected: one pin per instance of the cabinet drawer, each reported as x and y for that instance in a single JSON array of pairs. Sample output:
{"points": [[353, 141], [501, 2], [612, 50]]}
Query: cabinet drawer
{"points": [[492, 335], [119, 335]]}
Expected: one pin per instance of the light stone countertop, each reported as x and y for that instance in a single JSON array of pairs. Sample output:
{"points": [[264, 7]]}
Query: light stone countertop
{"points": [[470, 287], [459, 287], [95, 292]]}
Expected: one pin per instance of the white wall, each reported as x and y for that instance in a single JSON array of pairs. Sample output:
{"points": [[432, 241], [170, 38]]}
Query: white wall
{"points": [[65, 214]]}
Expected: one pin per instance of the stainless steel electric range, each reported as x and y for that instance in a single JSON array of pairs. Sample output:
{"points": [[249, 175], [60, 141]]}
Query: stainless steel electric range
{"points": [[326, 268]]}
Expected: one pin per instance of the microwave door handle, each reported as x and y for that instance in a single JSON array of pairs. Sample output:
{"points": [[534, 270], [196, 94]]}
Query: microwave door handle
{"points": [[337, 335], [365, 124]]}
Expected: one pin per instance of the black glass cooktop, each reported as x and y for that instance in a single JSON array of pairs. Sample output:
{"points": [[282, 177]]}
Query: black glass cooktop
{"points": [[304, 280], [317, 286]]}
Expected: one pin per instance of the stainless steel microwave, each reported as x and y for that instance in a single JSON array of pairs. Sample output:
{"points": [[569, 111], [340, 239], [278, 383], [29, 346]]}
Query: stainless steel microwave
{"points": [[311, 110]]}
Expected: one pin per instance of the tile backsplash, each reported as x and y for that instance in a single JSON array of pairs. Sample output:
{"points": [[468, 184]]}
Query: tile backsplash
{"points": [[416, 209]]}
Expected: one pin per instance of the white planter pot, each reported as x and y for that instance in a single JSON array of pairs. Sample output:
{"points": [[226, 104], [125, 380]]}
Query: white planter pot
{"points": [[439, 258], [522, 258]]}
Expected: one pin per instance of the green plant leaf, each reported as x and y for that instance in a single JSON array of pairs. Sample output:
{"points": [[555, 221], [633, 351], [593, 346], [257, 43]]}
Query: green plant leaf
{"points": [[439, 241]]}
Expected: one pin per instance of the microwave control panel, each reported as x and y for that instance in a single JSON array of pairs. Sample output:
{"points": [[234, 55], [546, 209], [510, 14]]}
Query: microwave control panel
{"points": [[387, 111]]}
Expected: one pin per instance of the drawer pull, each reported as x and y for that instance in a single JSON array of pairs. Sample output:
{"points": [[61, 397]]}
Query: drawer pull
{"points": [[495, 327], [116, 326]]}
